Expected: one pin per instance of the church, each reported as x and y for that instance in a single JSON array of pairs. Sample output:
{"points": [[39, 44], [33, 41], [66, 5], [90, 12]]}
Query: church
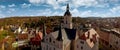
{"points": [[67, 38]]}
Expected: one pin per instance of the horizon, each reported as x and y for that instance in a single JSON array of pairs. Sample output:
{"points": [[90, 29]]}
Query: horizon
{"points": [[78, 8], [62, 15]]}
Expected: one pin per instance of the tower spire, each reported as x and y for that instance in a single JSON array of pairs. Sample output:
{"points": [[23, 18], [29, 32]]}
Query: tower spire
{"points": [[67, 11], [67, 18], [67, 7]]}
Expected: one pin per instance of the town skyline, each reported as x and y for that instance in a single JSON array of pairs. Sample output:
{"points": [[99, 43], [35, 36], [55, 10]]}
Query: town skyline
{"points": [[59, 33], [81, 8]]}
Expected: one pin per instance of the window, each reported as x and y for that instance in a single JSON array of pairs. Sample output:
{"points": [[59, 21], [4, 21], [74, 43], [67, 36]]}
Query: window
{"points": [[116, 42], [53, 41], [54, 49], [81, 42], [110, 46], [77, 46], [50, 48], [49, 39], [66, 22], [81, 47], [47, 47]]}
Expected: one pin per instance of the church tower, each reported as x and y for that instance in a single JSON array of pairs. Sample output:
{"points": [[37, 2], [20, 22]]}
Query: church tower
{"points": [[67, 18]]}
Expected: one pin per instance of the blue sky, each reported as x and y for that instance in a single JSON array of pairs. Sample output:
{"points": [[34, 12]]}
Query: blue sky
{"points": [[81, 8]]}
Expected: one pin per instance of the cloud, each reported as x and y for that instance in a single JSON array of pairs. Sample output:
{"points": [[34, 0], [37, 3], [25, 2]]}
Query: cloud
{"points": [[62, 1], [2, 6], [113, 1], [75, 12], [53, 3], [78, 3], [10, 10], [87, 13], [57, 13], [12, 5], [115, 9], [63, 8], [34, 1], [46, 12], [2, 15], [24, 5]]}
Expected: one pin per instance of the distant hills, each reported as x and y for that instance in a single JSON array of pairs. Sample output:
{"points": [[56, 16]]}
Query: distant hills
{"points": [[36, 21]]}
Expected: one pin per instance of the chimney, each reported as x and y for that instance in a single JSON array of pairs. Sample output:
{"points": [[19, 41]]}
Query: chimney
{"points": [[59, 38]]}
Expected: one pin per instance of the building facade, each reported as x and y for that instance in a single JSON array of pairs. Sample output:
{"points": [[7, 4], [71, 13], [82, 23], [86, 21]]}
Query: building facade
{"points": [[114, 39], [110, 38]]}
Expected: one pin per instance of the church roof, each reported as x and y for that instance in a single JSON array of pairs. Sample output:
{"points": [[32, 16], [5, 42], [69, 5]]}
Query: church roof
{"points": [[71, 33], [67, 35], [67, 11]]}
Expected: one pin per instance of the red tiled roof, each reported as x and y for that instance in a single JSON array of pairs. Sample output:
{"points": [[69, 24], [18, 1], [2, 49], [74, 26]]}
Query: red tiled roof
{"points": [[37, 39], [22, 36], [48, 31], [83, 37], [94, 38]]}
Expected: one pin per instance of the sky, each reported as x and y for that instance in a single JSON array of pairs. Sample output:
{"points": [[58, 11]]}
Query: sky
{"points": [[78, 8]]}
